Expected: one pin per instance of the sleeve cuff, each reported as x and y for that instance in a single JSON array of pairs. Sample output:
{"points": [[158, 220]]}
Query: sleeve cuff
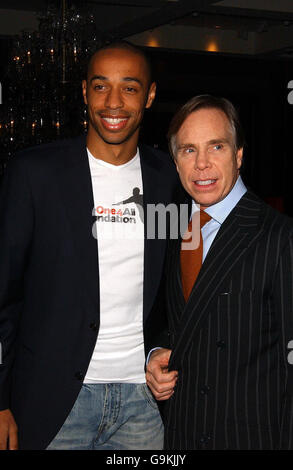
{"points": [[149, 354]]}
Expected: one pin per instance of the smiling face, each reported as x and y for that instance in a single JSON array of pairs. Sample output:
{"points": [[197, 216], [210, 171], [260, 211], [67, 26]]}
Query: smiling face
{"points": [[117, 91], [206, 159]]}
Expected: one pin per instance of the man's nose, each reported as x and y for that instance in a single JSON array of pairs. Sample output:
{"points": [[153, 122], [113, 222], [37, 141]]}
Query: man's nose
{"points": [[114, 99], [202, 160]]}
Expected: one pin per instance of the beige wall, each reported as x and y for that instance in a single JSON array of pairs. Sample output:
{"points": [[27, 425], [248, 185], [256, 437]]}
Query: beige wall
{"points": [[188, 37]]}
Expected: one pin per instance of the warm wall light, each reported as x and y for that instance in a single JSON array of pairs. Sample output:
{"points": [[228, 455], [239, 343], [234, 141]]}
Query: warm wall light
{"points": [[212, 46], [153, 42]]}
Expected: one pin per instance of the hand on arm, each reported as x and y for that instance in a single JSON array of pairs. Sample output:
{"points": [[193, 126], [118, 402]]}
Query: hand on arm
{"points": [[8, 431], [160, 381]]}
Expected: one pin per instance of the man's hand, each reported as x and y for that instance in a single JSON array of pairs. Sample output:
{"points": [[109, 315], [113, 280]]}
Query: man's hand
{"points": [[8, 431], [160, 381]]}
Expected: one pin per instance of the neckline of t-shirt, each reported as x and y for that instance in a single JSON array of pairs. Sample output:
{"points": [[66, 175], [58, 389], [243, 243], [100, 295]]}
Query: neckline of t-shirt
{"points": [[99, 162]]}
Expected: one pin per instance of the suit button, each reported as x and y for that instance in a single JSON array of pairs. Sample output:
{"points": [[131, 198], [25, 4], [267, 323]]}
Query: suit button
{"points": [[205, 390], [78, 375], [94, 327], [221, 344]]}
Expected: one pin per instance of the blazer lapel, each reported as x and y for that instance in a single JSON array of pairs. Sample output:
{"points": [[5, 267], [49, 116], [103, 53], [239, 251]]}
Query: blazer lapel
{"points": [[240, 230], [77, 196], [154, 249]]}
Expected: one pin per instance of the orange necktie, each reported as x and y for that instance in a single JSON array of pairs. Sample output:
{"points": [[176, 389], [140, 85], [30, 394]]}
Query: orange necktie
{"points": [[191, 260]]}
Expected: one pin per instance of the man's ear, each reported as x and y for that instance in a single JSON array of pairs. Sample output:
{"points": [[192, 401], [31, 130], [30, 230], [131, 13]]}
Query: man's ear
{"points": [[151, 95], [84, 88], [239, 157]]}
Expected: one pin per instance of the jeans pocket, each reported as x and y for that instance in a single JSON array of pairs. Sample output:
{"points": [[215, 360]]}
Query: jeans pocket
{"points": [[149, 396]]}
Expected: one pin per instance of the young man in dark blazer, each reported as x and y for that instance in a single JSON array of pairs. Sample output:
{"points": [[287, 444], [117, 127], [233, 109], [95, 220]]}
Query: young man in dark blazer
{"points": [[229, 383], [78, 276]]}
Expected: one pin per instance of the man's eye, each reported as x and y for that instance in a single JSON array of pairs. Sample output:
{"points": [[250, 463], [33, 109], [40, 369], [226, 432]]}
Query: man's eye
{"points": [[218, 147], [130, 89], [189, 150], [215, 148], [99, 87]]}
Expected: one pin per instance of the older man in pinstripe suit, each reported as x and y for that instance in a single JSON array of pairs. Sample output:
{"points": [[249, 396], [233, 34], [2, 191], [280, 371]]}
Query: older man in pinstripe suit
{"points": [[225, 369]]}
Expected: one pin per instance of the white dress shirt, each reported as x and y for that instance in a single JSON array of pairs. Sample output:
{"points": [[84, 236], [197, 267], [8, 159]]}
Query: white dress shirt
{"points": [[219, 212]]}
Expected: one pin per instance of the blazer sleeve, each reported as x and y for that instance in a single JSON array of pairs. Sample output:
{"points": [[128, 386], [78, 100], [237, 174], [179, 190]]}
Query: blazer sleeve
{"points": [[16, 226], [156, 331], [283, 300]]}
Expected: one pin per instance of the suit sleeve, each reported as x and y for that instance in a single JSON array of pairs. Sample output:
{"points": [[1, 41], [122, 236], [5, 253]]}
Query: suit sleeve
{"points": [[16, 226], [156, 331], [283, 298]]}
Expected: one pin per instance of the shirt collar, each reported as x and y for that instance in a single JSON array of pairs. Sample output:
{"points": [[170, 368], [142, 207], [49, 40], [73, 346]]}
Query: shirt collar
{"points": [[222, 209]]}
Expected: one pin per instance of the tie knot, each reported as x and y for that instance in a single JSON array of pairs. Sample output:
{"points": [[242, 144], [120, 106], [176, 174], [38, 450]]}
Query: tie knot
{"points": [[204, 218]]}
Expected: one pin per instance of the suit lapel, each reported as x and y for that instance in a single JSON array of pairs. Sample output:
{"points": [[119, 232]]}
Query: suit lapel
{"points": [[154, 249], [77, 195], [240, 230]]}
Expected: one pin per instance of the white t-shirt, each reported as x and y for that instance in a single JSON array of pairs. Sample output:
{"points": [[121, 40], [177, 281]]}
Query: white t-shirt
{"points": [[118, 196]]}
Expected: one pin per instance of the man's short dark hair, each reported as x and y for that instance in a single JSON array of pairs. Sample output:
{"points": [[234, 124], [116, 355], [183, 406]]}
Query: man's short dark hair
{"points": [[206, 102], [125, 45]]}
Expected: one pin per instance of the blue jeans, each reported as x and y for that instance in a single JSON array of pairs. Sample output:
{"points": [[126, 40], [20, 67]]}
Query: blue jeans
{"points": [[112, 417]]}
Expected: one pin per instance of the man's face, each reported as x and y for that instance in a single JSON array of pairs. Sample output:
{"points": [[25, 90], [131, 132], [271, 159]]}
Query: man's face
{"points": [[206, 159], [117, 92]]}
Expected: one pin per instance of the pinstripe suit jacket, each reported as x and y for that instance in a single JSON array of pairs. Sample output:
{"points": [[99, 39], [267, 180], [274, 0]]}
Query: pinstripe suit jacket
{"points": [[230, 341]]}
